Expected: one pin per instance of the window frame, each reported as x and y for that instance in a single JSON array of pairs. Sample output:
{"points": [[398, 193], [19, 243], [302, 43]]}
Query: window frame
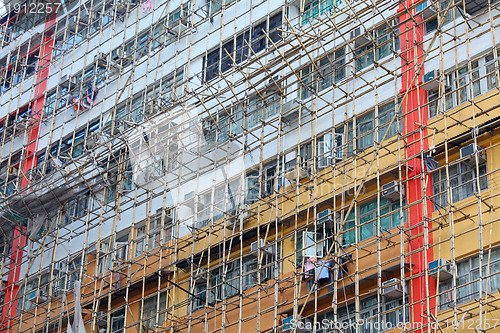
{"points": [[466, 272], [458, 171]]}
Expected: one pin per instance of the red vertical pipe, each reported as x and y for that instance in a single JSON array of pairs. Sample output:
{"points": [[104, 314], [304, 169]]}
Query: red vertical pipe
{"points": [[10, 300], [415, 116]]}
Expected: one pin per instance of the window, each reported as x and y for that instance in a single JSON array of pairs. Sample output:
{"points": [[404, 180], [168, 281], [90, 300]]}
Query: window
{"points": [[36, 290], [468, 279], [140, 240], [446, 17], [329, 150], [467, 82], [223, 201], [365, 221], [178, 22], [46, 162], [59, 153], [80, 26], [253, 187], [251, 272], [386, 114], [364, 56], [8, 186], [463, 84], [148, 239], [491, 71], [119, 177], [215, 5], [74, 209], [144, 43], [19, 69], [26, 20], [323, 73], [365, 127], [9, 179], [103, 15], [161, 33], [268, 184], [55, 100], [121, 250], [315, 8], [118, 322], [147, 102], [389, 310], [312, 243], [73, 273], [462, 182], [15, 123], [150, 309], [115, 255], [432, 99], [200, 291], [231, 121], [91, 78], [386, 43], [82, 137], [221, 59], [224, 281], [226, 285]]}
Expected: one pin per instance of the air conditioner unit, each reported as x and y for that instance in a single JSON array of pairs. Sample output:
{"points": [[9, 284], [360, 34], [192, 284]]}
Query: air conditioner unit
{"points": [[290, 111], [468, 152], [275, 84], [116, 57], [299, 325], [190, 201], [32, 296], [12, 171], [358, 34], [121, 7], [441, 268], [293, 2], [239, 213], [295, 169], [184, 22], [67, 82], [426, 10], [392, 288], [430, 80], [91, 141], [101, 59], [200, 277], [392, 190], [93, 251], [42, 296], [261, 243], [72, 22]]}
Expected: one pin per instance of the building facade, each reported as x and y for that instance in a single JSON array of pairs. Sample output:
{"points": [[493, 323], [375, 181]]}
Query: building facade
{"points": [[271, 166]]}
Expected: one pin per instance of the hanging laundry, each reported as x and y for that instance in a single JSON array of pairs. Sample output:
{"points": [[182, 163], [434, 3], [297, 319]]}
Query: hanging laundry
{"points": [[86, 101], [309, 268], [147, 7], [322, 271]]}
